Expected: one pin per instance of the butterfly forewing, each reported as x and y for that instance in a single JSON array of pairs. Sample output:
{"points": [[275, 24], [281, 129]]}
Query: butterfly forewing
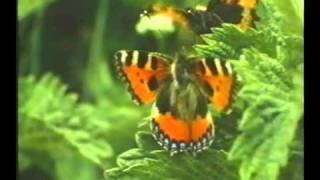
{"points": [[217, 79], [144, 72]]}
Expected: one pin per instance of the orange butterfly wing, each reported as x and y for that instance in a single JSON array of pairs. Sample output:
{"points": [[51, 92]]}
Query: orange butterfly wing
{"points": [[200, 127], [217, 80], [144, 72], [178, 135]]}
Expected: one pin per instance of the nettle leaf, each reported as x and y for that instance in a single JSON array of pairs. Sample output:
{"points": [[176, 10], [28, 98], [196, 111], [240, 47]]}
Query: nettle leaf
{"points": [[255, 67], [148, 162], [269, 18], [291, 51], [295, 168], [50, 118], [268, 65], [291, 12], [284, 16], [274, 107], [229, 41], [263, 146]]}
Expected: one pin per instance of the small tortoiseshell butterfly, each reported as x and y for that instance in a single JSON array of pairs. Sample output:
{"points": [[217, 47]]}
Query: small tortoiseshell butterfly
{"points": [[202, 19], [181, 89]]}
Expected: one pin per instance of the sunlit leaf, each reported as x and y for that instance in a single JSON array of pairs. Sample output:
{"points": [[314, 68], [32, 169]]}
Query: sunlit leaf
{"points": [[270, 121]]}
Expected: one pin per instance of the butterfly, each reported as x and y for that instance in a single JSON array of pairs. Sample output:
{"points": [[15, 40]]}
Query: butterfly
{"points": [[201, 19], [180, 90]]}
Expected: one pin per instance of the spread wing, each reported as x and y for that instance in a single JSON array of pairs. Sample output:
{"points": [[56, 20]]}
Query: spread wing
{"points": [[144, 72], [217, 80]]}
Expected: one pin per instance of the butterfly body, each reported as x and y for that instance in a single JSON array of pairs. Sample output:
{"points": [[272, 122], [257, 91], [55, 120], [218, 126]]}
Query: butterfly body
{"points": [[182, 93], [181, 89]]}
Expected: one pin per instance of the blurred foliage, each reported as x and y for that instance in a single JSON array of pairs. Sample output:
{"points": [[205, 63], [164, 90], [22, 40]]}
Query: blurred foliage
{"points": [[76, 120], [27, 7], [58, 119]]}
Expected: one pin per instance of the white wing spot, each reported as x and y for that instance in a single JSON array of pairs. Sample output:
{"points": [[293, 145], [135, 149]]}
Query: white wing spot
{"points": [[135, 57], [207, 70], [218, 65], [124, 55], [228, 65], [148, 65]]}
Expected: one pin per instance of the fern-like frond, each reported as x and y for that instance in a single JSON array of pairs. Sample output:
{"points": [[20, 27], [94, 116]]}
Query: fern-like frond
{"points": [[51, 119]]}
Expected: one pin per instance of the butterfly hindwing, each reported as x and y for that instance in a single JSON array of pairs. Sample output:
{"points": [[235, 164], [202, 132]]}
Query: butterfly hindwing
{"points": [[176, 132], [177, 135], [217, 79], [144, 72]]}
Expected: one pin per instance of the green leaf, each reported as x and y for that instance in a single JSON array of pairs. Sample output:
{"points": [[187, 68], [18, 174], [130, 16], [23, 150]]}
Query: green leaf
{"points": [[255, 68], [27, 7], [291, 12], [147, 162], [295, 168], [71, 165], [291, 51], [46, 111], [268, 62], [268, 124], [229, 41], [263, 147]]}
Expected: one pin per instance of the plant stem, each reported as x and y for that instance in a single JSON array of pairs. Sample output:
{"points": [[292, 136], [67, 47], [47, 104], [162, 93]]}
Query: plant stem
{"points": [[97, 77], [35, 43]]}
